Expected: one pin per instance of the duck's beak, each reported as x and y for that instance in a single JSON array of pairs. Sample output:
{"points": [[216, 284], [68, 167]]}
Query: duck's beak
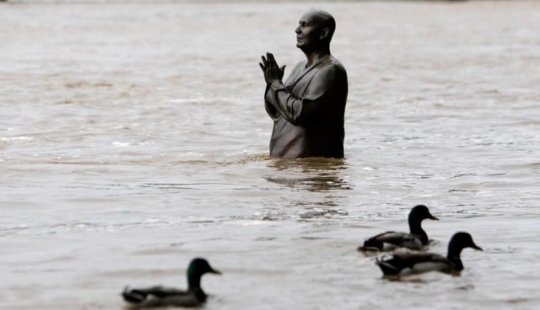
{"points": [[474, 246], [214, 271], [431, 217]]}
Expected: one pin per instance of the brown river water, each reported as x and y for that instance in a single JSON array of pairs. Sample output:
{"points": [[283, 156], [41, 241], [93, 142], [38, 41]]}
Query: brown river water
{"points": [[133, 137]]}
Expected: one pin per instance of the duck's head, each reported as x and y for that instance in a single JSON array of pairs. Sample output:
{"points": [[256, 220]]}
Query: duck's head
{"points": [[197, 268], [201, 266], [420, 213], [460, 241], [416, 216]]}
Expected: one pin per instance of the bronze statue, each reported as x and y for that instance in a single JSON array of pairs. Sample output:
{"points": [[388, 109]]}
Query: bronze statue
{"points": [[309, 109]]}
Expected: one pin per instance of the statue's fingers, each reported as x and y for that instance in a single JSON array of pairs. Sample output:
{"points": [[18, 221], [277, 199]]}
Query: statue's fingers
{"points": [[261, 65], [271, 58], [264, 61]]}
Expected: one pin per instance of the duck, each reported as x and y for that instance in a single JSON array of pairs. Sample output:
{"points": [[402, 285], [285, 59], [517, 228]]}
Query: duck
{"points": [[159, 296], [406, 263], [416, 239]]}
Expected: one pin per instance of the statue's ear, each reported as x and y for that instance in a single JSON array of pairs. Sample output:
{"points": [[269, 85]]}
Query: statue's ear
{"points": [[324, 33]]}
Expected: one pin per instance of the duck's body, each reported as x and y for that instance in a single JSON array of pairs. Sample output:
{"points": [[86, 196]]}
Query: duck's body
{"points": [[416, 239], [159, 296], [391, 240], [410, 263]]}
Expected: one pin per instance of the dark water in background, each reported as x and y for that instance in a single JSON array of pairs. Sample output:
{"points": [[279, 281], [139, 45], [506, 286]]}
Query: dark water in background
{"points": [[133, 138]]}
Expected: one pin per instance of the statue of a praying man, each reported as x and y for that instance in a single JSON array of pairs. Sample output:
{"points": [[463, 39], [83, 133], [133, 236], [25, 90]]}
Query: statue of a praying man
{"points": [[308, 110]]}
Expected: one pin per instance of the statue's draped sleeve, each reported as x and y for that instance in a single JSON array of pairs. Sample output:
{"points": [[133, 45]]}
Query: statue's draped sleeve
{"points": [[272, 112], [280, 102]]}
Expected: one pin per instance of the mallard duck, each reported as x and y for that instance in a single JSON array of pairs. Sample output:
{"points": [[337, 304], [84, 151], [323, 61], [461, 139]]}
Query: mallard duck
{"points": [[410, 263], [159, 296], [416, 239]]}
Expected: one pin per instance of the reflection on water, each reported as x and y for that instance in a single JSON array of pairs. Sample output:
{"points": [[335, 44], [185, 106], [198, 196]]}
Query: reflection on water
{"points": [[310, 174]]}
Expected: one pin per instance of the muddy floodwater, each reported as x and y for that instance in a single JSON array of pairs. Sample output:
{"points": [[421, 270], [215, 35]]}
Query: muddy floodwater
{"points": [[133, 137]]}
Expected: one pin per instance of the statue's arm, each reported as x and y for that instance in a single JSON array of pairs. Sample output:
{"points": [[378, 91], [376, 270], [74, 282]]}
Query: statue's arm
{"points": [[300, 111]]}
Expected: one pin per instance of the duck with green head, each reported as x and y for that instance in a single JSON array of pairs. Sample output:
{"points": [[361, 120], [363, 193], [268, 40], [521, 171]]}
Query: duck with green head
{"points": [[159, 296], [416, 239], [399, 264]]}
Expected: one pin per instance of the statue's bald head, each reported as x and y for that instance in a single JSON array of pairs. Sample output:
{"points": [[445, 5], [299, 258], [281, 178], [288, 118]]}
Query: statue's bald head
{"points": [[321, 20]]}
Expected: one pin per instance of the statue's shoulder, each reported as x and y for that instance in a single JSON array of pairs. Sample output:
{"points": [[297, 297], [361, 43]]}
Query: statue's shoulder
{"points": [[332, 67], [336, 64]]}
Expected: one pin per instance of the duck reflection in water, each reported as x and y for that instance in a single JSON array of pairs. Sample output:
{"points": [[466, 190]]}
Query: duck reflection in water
{"points": [[310, 174]]}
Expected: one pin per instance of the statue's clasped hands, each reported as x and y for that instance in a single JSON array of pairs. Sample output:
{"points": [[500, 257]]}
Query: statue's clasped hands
{"points": [[272, 72]]}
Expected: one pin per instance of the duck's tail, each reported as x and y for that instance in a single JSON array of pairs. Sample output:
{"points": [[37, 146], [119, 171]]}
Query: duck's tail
{"points": [[371, 245], [132, 296], [387, 265]]}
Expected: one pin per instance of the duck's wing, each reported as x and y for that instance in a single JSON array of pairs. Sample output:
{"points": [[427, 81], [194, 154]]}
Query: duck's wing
{"points": [[408, 263], [391, 240]]}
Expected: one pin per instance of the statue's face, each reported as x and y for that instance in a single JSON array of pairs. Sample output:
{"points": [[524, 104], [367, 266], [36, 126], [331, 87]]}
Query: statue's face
{"points": [[308, 32]]}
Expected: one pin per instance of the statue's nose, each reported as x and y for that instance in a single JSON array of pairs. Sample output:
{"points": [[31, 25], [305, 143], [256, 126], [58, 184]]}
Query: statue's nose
{"points": [[297, 30]]}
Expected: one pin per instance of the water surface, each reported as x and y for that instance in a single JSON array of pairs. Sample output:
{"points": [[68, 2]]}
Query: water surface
{"points": [[133, 138]]}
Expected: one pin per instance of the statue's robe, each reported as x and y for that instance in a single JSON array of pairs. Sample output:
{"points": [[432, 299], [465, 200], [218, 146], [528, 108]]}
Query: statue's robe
{"points": [[309, 110]]}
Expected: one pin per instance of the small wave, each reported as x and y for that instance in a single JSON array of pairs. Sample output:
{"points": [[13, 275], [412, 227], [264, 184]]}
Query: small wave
{"points": [[79, 84], [202, 100], [21, 138], [120, 144]]}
